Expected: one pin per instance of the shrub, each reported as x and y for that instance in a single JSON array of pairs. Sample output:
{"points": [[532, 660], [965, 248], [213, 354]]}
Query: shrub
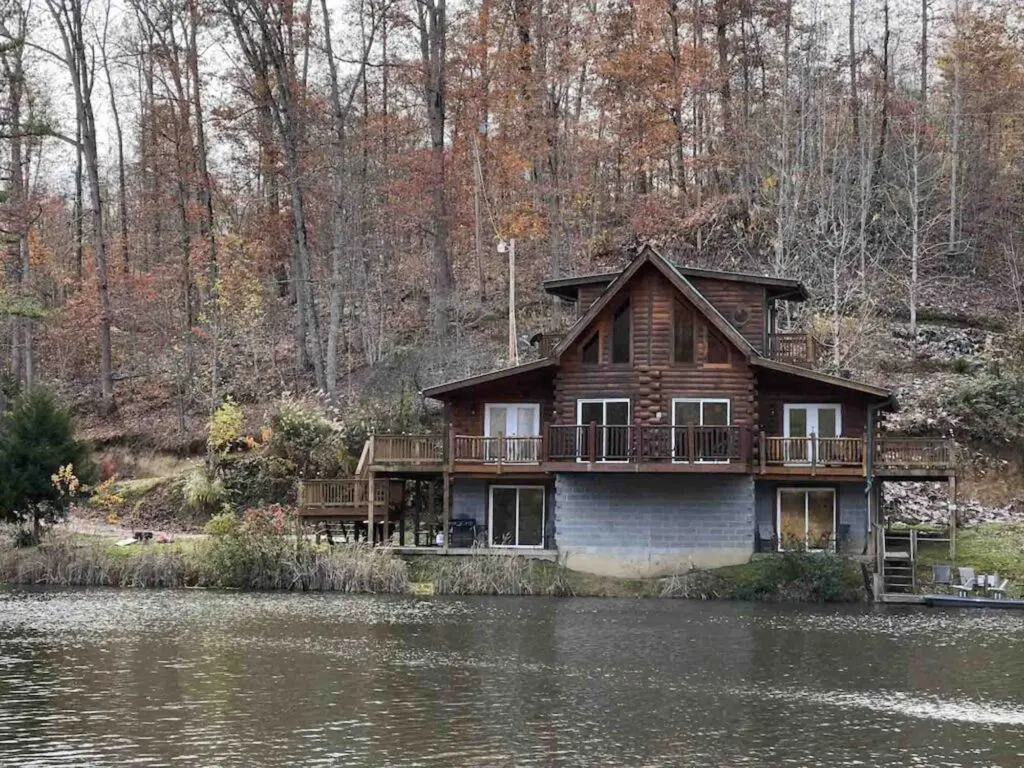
{"points": [[225, 428], [987, 407], [305, 442], [204, 491]]}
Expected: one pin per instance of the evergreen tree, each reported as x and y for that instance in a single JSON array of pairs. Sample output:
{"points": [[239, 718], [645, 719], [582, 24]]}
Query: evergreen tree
{"points": [[37, 445]]}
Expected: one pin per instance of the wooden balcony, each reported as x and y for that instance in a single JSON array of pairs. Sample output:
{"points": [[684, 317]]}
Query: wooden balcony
{"points": [[660, 448], [794, 348]]}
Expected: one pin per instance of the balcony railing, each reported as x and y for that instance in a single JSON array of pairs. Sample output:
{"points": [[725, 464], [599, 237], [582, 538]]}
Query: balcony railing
{"points": [[794, 348], [315, 495], [657, 443], [813, 451], [647, 443]]}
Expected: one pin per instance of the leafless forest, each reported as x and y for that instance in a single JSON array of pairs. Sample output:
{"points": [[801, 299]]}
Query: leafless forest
{"points": [[201, 198]]}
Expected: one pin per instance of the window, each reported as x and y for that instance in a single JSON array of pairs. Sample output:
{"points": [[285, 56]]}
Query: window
{"points": [[801, 421], [710, 439], [516, 516], [513, 432], [718, 349], [591, 353], [806, 518], [684, 333], [621, 334], [612, 438]]}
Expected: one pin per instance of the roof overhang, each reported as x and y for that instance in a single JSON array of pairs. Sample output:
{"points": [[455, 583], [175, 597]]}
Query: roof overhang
{"points": [[451, 387], [568, 287], [825, 378], [778, 287]]}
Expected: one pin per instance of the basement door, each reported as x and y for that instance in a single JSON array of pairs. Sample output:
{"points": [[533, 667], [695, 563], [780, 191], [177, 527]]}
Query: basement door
{"points": [[806, 518], [516, 517]]}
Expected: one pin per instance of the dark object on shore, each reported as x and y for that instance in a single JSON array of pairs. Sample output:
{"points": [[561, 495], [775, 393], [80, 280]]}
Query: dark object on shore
{"points": [[956, 601], [142, 537]]}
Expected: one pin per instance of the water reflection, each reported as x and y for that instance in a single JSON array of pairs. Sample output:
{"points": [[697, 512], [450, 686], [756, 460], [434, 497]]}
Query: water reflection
{"points": [[168, 678]]}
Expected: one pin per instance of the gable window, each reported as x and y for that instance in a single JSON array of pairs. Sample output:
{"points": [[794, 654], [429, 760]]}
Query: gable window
{"points": [[684, 335], [621, 334], [591, 352], [701, 431], [718, 349], [611, 418]]}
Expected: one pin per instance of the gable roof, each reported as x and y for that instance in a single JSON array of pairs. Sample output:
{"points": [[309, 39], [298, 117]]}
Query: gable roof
{"points": [[824, 378], [780, 287], [484, 378], [650, 256]]}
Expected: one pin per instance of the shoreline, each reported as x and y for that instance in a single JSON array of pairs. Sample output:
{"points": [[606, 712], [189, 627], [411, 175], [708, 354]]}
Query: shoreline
{"points": [[284, 564]]}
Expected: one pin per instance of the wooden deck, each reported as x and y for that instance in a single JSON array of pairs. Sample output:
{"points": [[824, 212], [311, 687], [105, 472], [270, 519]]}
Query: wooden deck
{"points": [[344, 497], [659, 448]]}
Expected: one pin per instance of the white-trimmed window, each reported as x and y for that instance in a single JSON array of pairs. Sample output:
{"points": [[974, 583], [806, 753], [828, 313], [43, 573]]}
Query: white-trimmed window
{"points": [[611, 415], [801, 421], [513, 432], [516, 516], [704, 444], [806, 518]]}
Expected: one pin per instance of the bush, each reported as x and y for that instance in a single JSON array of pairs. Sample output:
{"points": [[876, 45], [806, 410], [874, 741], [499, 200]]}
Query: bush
{"points": [[305, 442], [204, 492], [988, 407], [225, 428]]}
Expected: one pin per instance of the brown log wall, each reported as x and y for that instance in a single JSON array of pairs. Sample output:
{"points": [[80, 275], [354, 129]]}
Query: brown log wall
{"points": [[652, 380]]}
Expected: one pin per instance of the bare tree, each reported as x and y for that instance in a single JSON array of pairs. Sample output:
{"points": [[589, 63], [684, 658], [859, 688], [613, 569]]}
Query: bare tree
{"points": [[79, 58]]}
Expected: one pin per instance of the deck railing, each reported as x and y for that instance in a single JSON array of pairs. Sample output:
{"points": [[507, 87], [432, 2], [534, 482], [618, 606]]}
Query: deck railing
{"points": [[407, 449], [475, 449], [646, 443], [795, 348], [340, 492], [814, 451], [651, 443], [913, 453]]}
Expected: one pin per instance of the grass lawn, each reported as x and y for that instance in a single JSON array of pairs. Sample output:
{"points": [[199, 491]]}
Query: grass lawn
{"points": [[989, 548]]}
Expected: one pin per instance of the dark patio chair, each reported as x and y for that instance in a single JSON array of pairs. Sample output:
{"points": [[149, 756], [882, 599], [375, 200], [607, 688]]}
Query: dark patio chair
{"points": [[942, 577], [766, 540]]}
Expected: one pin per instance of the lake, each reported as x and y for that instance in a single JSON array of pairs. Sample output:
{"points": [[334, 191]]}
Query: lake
{"points": [[191, 678]]}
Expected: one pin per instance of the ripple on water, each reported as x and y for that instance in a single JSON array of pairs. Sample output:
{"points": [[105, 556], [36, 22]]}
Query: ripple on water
{"points": [[106, 677]]}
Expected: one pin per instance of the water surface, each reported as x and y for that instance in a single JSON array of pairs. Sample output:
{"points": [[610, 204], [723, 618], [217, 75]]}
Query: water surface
{"points": [[97, 677]]}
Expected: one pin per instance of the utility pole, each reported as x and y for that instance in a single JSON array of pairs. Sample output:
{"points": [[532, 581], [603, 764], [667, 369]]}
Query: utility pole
{"points": [[509, 247]]}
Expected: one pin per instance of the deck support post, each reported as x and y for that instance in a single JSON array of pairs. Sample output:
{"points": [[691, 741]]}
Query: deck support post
{"points": [[952, 517], [385, 531], [431, 490], [446, 507], [370, 530]]}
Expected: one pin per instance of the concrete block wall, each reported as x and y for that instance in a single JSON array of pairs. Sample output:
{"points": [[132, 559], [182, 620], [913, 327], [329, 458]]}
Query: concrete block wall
{"points": [[649, 525]]}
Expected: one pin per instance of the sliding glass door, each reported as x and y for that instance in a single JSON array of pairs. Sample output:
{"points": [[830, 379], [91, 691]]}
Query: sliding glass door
{"points": [[806, 518], [518, 426], [612, 419], [516, 516]]}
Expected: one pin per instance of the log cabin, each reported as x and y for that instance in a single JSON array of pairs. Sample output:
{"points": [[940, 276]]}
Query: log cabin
{"points": [[672, 426]]}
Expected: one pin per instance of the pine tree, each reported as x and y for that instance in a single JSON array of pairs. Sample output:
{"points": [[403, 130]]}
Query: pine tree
{"points": [[42, 464]]}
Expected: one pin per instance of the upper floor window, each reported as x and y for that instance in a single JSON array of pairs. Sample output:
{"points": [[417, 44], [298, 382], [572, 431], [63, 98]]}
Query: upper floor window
{"points": [[591, 351], [718, 349], [684, 334], [621, 334]]}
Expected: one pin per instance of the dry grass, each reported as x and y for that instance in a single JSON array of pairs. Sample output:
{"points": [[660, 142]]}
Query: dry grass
{"points": [[68, 560], [486, 573]]}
